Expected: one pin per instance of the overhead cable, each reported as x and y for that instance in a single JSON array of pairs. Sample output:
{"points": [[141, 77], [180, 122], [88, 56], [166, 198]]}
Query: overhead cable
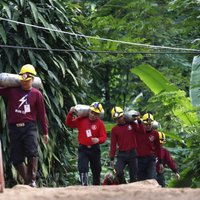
{"points": [[103, 39], [91, 51]]}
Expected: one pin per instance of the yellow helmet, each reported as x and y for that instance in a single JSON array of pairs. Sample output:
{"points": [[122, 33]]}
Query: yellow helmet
{"points": [[148, 117], [96, 107], [117, 112], [27, 72], [161, 137]]}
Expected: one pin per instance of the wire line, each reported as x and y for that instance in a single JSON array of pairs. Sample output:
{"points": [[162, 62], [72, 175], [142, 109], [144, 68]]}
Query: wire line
{"points": [[92, 51], [103, 39]]}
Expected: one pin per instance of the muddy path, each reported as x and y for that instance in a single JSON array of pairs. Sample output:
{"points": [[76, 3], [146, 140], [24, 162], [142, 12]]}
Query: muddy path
{"points": [[144, 190]]}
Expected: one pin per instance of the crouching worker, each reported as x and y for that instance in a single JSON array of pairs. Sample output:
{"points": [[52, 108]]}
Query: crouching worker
{"points": [[25, 107], [91, 133], [110, 178], [167, 162]]}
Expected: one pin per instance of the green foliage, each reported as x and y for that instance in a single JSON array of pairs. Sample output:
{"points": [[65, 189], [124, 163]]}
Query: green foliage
{"points": [[195, 83], [182, 117], [73, 77], [64, 78], [182, 107], [153, 79]]}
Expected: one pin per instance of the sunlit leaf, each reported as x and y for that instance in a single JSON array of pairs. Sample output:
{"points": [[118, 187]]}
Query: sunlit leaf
{"points": [[153, 79]]}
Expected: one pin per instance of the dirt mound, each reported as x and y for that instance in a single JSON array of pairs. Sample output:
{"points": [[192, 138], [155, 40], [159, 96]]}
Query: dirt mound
{"points": [[145, 190]]}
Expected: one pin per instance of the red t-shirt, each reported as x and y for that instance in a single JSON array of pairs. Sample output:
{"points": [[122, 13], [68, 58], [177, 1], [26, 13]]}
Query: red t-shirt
{"points": [[87, 129], [25, 106], [123, 137], [167, 160], [148, 144]]}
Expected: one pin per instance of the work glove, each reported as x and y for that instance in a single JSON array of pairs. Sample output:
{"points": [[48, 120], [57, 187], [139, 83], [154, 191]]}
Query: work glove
{"points": [[177, 175], [161, 168]]}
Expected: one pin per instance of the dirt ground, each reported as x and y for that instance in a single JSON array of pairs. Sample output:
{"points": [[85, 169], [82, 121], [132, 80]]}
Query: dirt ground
{"points": [[144, 190]]}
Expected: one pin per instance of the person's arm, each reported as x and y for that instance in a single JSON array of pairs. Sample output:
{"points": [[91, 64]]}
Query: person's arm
{"points": [[138, 126], [171, 164], [70, 121], [41, 113]]}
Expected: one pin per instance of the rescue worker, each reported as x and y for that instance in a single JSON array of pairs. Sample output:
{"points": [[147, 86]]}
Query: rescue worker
{"points": [[148, 148], [91, 133], [110, 178], [25, 107], [123, 139], [167, 161]]}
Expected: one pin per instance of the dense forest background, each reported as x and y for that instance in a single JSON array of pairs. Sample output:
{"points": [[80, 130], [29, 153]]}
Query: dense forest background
{"points": [[140, 55]]}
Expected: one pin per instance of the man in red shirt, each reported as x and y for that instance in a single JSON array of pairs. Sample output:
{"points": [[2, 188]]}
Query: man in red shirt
{"points": [[25, 105], [167, 161], [91, 133], [148, 148], [123, 136]]}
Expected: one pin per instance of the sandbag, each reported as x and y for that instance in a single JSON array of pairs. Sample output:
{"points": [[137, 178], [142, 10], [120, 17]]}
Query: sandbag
{"points": [[83, 111], [131, 115], [12, 80]]}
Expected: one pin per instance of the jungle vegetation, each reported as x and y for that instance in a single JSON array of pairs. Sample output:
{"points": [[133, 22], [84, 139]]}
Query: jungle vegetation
{"points": [[140, 55]]}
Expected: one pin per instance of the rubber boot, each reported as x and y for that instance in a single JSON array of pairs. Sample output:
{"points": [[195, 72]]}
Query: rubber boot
{"points": [[96, 179], [121, 179], [32, 171], [84, 179], [22, 171]]}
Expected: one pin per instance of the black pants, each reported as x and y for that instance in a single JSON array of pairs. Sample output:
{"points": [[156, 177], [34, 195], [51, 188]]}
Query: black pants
{"points": [[126, 158], [23, 142], [90, 157], [146, 168], [161, 179]]}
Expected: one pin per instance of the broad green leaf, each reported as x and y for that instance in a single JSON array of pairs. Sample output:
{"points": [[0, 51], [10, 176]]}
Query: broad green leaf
{"points": [[22, 2], [157, 83], [3, 34], [41, 61], [2, 112], [53, 77], [9, 56], [73, 97], [46, 25], [7, 9], [32, 57], [185, 111], [31, 32], [43, 41], [44, 170], [75, 81], [195, 82], [47, 100], [153, 79], [60, 63], [60, 99], [34, 10]]}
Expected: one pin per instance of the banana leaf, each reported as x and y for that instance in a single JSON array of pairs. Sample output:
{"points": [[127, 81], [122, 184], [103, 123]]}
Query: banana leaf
{"points": [[195, 82], [157, 83]]}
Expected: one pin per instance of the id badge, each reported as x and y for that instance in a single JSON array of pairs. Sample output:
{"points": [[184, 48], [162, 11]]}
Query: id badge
{"points": [[27, 108], [88, 133]]}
